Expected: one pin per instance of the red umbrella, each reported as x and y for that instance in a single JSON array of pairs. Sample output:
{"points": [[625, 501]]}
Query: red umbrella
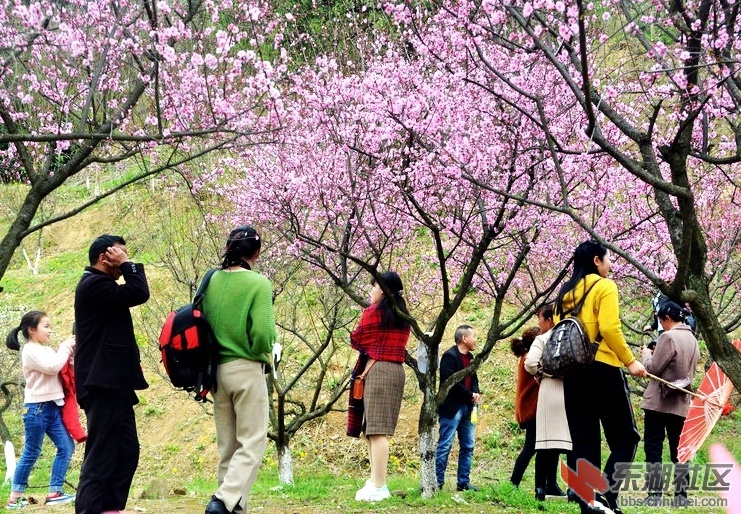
{"points": [[706, 409]]}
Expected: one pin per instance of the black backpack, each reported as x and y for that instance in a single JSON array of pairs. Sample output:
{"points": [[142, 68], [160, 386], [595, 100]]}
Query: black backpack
{"points": [[188, 346], [568, 348]]}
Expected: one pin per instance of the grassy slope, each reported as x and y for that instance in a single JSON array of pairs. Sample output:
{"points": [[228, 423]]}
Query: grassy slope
{"points": [[178, 449]]}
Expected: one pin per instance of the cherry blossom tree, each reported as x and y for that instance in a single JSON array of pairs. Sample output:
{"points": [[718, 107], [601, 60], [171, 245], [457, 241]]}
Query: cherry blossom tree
{"points": [[367, 176], [309, 380], [125, 90], [642, 137], [474, 152]]}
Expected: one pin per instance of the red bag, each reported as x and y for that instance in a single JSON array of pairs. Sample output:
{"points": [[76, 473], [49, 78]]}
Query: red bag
{"points": [[358, 383], [358, 386]]}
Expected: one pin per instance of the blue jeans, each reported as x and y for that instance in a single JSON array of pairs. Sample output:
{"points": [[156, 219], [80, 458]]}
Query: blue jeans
{"points": [[39, 419], [460, 423]]}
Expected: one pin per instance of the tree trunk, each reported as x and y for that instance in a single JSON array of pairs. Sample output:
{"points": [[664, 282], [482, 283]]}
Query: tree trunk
{"points": [[16, 232], [427, 442], [10, 461], [285, 465], [719, 347]]}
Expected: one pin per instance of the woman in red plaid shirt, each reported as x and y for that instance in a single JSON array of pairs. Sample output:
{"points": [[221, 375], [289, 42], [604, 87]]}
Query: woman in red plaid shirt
{"points": [[383, 336]]}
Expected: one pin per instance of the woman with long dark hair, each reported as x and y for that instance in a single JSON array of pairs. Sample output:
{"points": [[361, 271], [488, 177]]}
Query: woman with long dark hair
{"points": [[382, 334], [238, 304], [598, 393]]}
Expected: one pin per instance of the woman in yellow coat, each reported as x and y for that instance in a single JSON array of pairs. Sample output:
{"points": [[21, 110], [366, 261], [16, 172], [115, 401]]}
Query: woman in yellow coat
{"points": [[598, 393]]}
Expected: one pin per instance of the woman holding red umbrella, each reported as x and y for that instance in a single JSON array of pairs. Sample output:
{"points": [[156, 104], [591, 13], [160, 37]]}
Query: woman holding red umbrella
{"points": [[673, 359]]}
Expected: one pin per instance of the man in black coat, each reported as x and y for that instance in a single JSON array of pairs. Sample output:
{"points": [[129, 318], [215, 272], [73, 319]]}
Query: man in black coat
{"points": [[455, 412], [107, 372]]}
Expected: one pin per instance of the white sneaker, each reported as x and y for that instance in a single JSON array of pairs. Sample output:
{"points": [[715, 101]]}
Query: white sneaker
{"points": [[370, 493], [379, 493], [59, 498], [365, 491]]}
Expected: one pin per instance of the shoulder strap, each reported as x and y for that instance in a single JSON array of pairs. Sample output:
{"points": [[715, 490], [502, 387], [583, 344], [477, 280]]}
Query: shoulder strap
{"points": [[207, 383], [368, 367], [577, 308], [202, 286]]}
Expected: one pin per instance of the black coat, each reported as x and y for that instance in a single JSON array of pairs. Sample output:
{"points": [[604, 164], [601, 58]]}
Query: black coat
{"points": [[458, 395], [107, 355]]}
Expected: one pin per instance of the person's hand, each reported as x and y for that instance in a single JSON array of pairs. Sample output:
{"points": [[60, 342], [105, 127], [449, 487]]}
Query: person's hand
{"points": [[70, 342], [115, 256], [637, 369], [646, 353], [277, 353], [476, 397]]}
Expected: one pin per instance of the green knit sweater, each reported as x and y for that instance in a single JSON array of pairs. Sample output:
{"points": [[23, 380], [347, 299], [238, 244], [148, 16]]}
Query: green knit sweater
{"points": [[239, 307]]}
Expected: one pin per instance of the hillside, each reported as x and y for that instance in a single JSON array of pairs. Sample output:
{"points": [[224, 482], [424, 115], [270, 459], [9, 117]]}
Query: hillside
{"points": [[178, 457]]}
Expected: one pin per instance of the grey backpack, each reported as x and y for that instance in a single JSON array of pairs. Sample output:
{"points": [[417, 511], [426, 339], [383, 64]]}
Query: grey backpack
{"points": [[568, 348]]}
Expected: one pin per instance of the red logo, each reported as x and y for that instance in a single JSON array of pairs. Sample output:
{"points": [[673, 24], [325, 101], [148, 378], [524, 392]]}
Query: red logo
{"points": [[585, 480]]}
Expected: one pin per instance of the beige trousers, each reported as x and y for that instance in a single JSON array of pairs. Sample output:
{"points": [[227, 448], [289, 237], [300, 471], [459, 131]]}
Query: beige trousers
{"points": [[241, 417]]}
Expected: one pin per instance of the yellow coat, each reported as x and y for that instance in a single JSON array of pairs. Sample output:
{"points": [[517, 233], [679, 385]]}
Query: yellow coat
{"points": [[601, 314]]}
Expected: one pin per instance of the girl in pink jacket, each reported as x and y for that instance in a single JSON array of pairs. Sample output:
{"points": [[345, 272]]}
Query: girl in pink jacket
{"points": [[42, 406]]}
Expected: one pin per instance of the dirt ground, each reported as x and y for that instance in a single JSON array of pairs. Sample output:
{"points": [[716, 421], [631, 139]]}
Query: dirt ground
{"points": [[169, 506], [182, 505], [186, 505]]}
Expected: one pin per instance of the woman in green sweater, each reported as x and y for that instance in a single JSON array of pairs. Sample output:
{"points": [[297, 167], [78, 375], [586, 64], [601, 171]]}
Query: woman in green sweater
{"points": [[598, 394], [238, 304]]}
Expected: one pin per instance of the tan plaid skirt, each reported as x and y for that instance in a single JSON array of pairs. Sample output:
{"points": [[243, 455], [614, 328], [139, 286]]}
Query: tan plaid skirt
{"points": [[384, 388]]}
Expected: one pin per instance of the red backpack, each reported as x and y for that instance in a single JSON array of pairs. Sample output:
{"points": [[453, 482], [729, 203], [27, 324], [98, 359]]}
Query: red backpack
{"points": [[188, 346]]}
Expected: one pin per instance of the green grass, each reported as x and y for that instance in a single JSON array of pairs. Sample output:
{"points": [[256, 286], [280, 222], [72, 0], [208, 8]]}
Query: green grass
{"points": [[330, 493], [319, 490]]}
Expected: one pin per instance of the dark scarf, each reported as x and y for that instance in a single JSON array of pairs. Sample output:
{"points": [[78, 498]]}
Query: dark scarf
{"points": [[356, 408]]}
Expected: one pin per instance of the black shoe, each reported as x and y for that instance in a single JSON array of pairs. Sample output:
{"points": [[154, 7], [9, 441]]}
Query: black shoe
{"points": [[554, 490], [540, 494], [216, 506], [610, 504], [600, 505], [467, 487], [597, 508], [571, 496]]}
